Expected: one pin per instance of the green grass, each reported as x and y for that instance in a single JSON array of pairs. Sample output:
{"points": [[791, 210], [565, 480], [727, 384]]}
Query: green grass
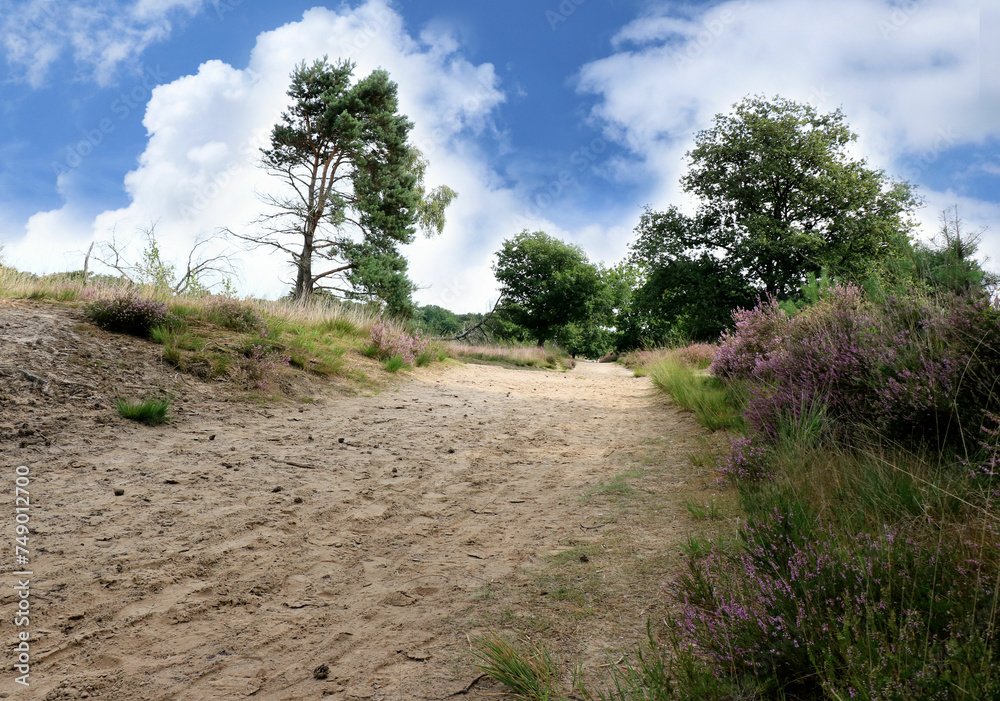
{"points": [[715, 406], [530, 675], [151, 412], [394, 364]]}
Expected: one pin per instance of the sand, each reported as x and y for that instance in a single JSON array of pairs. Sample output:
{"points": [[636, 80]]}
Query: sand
{"points": [[250, 544]]}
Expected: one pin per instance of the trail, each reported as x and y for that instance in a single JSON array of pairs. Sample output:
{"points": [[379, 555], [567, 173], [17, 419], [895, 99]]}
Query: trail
{"points": [[254, 544]]}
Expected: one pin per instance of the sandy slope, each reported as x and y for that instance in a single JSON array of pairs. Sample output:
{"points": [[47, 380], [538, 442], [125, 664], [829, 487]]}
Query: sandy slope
{"points": [[253, 544]]}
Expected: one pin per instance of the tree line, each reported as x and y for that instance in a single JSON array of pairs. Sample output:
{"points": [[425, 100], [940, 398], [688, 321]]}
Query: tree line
{"points": [[781, 202]]}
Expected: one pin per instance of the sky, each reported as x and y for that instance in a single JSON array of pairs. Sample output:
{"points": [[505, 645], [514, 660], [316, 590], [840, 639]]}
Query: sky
{"points": [[565, 116]]}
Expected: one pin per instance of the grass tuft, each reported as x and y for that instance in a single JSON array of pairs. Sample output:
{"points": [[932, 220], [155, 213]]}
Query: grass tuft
{"points": [[151, 412], [531, 675]]}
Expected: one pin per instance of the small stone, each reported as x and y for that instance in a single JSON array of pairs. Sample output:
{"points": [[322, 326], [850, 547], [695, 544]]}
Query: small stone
{"points": [[276, 489], [321, 672], [119, 492], [212, 437], [340, 440], [297, 500]]}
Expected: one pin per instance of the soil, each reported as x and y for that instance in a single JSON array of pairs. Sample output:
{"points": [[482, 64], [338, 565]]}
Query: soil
{"points": [[327, 545]]}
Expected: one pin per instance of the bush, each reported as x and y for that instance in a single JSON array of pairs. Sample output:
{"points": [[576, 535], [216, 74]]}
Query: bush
{"points": [[236, 315], [914, 369], [386, 343], [258, 366], [129, 313], [874, 616]]}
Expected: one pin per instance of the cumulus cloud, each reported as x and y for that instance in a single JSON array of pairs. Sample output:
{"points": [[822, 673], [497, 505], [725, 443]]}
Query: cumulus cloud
{"points": [[907, 75], [100, 35]]}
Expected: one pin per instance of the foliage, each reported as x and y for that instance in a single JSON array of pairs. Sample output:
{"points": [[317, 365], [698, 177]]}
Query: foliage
{"points": [[681, 295], [358, 195], [233, 314], [387, 342], [545, 283], [781, 197], [258, 366], [870, 553], [127, 312], [152, 412], [914, 368]]}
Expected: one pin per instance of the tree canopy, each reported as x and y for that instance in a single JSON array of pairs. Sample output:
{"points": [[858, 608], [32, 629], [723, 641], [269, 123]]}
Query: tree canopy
{"points": [[545, 283], [353, 187], [780, 197]]}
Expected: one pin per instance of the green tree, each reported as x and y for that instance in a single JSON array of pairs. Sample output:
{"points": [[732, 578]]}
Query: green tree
{"points": [[680, 293], [353, 189], [545, 283], [780, 197]]}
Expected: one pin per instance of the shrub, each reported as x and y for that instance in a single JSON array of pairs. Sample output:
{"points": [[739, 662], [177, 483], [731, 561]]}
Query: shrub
{"points": [[258, 366], [151, 412], [236, 315], [744, 463], [875, 616], [128, 313], [386, 343], [757, 333]]}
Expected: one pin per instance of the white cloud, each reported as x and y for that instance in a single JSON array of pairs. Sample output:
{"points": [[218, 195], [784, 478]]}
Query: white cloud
{"points": [[197, 172], [907, 76], [100, 35]]}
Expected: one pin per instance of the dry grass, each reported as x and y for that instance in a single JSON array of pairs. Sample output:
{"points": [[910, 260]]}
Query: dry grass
{"points": [[548, 357]]}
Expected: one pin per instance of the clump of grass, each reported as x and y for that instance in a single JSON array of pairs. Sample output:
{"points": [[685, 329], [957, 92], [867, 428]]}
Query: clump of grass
{"points": [[530, 675], [395, 363], [710, 400], [151, 412]]}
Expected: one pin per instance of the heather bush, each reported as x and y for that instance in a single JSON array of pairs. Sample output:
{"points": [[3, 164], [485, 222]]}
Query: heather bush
{"points": [[127, 312], [234, 314], [830, 354], [744, 463], [259, 364], [386, 342], [756, 334], [872, 615]]}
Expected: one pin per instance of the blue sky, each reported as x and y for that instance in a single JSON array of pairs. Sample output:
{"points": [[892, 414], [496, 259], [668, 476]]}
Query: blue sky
{"points": [[562, 115]]}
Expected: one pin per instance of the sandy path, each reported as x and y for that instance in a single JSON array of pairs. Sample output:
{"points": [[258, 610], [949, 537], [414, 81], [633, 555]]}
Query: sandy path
{"points": [[253, 544]]}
